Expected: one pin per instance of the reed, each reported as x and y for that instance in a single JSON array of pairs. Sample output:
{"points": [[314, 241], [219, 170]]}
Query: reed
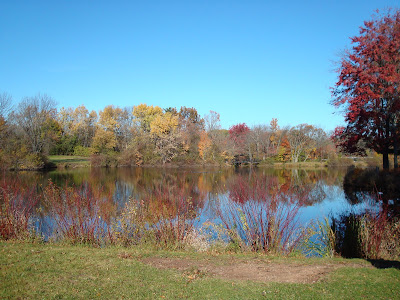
{"points": [[371, 234]]}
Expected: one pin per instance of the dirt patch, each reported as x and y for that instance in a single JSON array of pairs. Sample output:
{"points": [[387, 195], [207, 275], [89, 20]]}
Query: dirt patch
{"points": [[255, 270]]}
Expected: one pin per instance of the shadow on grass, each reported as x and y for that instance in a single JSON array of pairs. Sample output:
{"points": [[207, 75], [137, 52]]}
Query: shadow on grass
{"points": [[385, 264]]}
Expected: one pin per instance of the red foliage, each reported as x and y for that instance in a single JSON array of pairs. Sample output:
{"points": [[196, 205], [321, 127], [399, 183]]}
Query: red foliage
{"points": [[368, 86], [258, 215], [17, 207], [77, 212], [238, 135]]}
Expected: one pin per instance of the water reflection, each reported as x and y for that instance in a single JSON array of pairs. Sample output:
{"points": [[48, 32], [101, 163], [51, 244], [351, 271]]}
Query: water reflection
{"points": [[372, 185], [160, 189]]}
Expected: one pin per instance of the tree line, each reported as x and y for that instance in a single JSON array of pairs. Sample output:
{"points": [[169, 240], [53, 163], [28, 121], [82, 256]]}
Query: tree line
{"points": [[145, 135]]}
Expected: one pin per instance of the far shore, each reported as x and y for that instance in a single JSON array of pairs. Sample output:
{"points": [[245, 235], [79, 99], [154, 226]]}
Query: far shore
{"points": [[75, 162]]}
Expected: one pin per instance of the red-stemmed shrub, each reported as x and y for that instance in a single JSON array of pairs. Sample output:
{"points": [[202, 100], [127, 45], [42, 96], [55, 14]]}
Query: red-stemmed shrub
{"points": [[17, 207]]}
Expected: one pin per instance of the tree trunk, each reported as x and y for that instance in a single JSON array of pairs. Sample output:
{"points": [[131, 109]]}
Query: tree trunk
{"points": [[250, 156], [385, 160]]}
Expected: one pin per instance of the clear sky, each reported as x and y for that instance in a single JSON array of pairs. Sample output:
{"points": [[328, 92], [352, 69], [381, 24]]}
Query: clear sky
{"points": [[250, 61]]}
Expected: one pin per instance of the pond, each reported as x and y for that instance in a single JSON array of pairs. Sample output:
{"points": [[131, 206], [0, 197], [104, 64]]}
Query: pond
{"points": [[203, 196]]}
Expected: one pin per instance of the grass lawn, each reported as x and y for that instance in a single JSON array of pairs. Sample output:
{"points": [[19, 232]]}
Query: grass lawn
{"points": [[67, 159], [47, 271]]}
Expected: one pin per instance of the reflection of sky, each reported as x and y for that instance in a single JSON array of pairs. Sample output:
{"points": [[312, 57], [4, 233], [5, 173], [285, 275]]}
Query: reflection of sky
{"points": [[323, 190], [333, 204]]}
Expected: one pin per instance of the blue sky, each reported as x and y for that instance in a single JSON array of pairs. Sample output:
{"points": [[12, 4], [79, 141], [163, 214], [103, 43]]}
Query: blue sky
{"points": [[250, 61]]}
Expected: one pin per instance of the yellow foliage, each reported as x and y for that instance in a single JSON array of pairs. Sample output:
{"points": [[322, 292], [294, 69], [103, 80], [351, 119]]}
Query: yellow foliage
{"points": [[109, 117], [104, 140], [163, 124], [146, 114], [204, 144]]}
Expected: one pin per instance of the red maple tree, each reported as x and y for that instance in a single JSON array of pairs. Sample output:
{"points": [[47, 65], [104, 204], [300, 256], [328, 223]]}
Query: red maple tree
{"points": [[368, 88], [238, 134]]}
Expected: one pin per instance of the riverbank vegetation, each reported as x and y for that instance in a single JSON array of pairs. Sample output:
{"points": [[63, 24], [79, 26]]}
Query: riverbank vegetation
{"points": [[153, 247], [148, 135], [99, 234], [253, 217]]}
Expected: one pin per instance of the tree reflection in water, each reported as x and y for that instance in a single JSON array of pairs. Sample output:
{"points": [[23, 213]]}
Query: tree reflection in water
{"points": [[373, 186], [192, 194], [371, 231]]}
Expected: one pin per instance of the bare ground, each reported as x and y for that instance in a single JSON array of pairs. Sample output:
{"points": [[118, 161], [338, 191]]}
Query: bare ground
{"points": [[254, 270]]}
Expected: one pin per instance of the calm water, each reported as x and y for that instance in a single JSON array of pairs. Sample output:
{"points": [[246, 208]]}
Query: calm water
{"points": [[318, 192]]}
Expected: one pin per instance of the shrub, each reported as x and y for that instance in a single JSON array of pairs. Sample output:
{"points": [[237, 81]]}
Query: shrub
{"points": [[320, 239], [32, 162], [337, 161], [104, 160], [379, 235], [371, 235], [255, 220], [130, 157], [83, 151], [129, 228], [171, 216], [17, 206], [164, 217], [77, 214]]}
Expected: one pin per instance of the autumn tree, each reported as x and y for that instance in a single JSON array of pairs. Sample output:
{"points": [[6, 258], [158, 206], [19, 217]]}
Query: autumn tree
{"points": [[78, 127], [278, 136], [164, 133], [204, 145], [368, 88], [145, 114], [301, 139], [261, 137], [31, 116], [322, 143], [190, 125], [84, 125], [5, 106], [238, 135], [114, 128], [217, 136]]}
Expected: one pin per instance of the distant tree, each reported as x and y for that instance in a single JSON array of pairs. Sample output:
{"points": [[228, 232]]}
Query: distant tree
{"points": [[217, 136], [278, 135], [190, 126], [368, 88], [238, 135], [5, 104], [5, 107], [118, 123], [322, 142], [163, 129], [144, 114], [301, 139], [78, 127], [260, 136], [212, 122], [205, 145], [104, 140], [31, 116]]}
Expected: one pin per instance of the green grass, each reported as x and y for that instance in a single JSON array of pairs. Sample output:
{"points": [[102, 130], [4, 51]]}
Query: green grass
{"points": [[48, 271], [71, 160]]}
